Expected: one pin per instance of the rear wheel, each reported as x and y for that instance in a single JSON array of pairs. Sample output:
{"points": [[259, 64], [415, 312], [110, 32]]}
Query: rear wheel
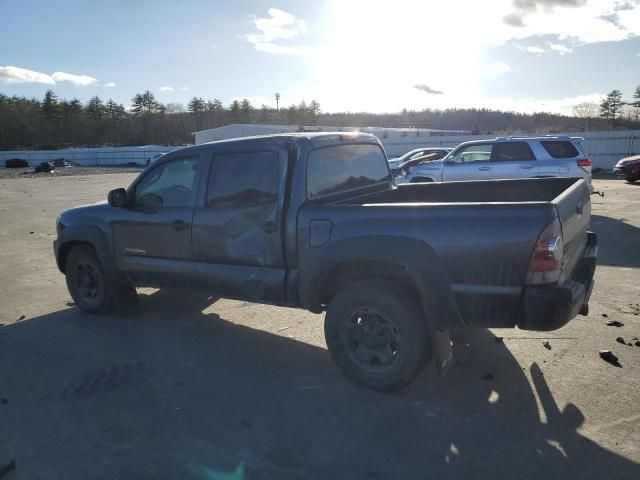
{"points": [[88, 285], [377, 336]]}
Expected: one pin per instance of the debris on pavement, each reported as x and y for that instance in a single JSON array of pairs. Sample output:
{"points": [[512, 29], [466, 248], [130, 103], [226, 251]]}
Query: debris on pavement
{"points": [[605, 315], [547, 345], [621, 340], [7, 468], [609, 357], [22, 317], [488, 376], [615, 323]]}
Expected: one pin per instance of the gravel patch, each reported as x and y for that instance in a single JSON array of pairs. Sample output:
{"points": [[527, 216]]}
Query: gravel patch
{"points": [[67, 171]]}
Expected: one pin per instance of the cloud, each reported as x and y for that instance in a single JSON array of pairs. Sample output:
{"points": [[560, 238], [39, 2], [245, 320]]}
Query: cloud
{"points": [[167, 89], [275, 28], [184, 89], [10, 74], [526, 7], [80, 80], [495, 69], [559, 48], [110, 84], [535, 49], [427, 89]]}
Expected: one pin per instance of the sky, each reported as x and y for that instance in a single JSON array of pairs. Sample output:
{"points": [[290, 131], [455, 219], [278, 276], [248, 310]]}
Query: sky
{"points": [[349, 55]]}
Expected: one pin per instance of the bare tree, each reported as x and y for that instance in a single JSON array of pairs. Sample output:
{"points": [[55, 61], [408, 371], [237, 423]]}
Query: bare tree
{"points": [[587, 111]]}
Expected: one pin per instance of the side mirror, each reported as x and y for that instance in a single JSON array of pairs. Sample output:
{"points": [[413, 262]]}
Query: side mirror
{"points": [[118, 197]]}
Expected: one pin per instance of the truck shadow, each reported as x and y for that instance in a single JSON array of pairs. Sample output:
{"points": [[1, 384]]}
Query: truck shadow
{"points": [[175, 393], [617, 241]]}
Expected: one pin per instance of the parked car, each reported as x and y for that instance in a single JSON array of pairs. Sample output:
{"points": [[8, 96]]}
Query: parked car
{"points": [[406, 167], [628, 168], [16, 163], [507, 158], [395, 162], [315, 221]]}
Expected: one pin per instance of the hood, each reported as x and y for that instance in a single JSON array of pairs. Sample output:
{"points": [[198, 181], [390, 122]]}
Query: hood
{"points": [[88, 214], [633, 159]]}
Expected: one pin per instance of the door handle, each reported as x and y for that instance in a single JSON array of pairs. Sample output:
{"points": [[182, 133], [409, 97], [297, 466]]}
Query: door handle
{"points": [[179, 225], [526, 167], [269, 227], [484, 168]]}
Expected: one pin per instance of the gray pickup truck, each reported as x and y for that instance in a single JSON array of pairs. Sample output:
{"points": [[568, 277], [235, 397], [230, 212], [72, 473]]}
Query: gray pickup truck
{"points": [[315, 221]]}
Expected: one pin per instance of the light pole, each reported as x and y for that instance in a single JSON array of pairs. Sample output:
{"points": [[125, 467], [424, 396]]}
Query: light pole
{"points": [[277, 102]]}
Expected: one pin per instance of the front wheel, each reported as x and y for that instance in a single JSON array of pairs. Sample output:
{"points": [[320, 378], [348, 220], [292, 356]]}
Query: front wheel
{"points": [[631, 178], [88, 285], [377, 336]]}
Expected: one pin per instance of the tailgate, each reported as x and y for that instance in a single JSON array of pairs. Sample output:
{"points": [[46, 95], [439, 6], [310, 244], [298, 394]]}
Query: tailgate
{"points": [[574, 211]]}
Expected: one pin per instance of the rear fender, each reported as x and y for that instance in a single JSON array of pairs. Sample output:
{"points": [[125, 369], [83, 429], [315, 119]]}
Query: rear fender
{"points": [[410, 257]]}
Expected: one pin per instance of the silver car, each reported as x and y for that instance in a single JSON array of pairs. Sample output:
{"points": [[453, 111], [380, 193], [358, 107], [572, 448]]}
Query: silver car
{"points": [[507, 158]]}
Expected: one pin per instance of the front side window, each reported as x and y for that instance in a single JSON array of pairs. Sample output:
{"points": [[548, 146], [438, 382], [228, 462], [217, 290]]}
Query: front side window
{"points": [[473, 153], [244, 179], [170, 185], [342, 168]]}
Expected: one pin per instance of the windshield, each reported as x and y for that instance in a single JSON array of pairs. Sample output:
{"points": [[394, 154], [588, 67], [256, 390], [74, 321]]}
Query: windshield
{"points": [[342, 168]]}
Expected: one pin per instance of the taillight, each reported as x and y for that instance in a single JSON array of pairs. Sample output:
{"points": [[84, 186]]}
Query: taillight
{"points": [[585, 164], [546, 261]]}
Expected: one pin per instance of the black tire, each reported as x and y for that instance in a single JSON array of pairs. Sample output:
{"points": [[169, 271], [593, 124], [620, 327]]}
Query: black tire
{"points": [[377, 336], [631, 179], [90, 288]]}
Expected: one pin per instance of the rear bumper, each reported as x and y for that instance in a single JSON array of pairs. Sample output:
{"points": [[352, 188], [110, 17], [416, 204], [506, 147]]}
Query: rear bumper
{"points": [[549, 307]]}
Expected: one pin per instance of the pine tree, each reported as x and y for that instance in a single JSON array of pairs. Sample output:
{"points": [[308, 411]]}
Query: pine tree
{"points": [[146, 104], [50, 106], [636, 98], [95, 108], [314, 107], [197, 105], [235, 110], [611, 105], [215, 105]]}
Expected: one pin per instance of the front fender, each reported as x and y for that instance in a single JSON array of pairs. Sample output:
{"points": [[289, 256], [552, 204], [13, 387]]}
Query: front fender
{"points": [[92, 235]]}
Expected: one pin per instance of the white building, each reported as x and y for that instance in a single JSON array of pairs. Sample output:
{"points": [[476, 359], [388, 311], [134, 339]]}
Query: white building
{"points": [[249, 129]]}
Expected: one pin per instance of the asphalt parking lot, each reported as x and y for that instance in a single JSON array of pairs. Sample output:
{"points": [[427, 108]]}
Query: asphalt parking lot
{"points": [[194, 388]]}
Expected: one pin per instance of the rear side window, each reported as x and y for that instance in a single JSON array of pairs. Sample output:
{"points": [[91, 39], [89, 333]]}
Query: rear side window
{"points": [[243, 179], [512, 151], [342, 168], [560, 148]]}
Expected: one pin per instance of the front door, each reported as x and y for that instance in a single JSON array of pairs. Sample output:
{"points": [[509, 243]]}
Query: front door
{"points": [[237, 239], [152, 236], [472, 162]]}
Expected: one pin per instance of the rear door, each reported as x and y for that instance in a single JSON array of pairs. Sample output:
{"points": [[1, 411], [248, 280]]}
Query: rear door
{"points": [[513, 160], [237, 230], [470, 162], [152, 236]]}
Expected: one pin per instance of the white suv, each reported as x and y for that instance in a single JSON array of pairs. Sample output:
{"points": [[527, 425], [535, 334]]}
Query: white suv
{"points": [[507, 157]]}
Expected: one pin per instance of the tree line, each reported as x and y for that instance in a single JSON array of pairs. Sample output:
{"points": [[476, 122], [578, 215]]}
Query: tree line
{"points": [[51, 122]]}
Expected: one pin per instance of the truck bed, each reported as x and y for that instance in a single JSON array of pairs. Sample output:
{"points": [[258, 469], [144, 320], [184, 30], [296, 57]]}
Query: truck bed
{"points": [[497, 191], [479, 235]]}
